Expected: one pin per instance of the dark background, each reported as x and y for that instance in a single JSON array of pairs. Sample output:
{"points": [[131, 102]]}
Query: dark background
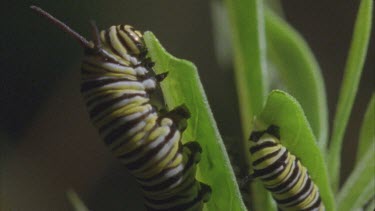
{"points": [[47, 143]]}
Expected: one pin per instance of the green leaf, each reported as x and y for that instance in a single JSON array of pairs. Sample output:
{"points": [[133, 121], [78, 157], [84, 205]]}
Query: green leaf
{"points": [[182, 86], [353, 70], [296, 135], [248, 38], [299, 72], [75, 201], [359, 187], [367, 133]]}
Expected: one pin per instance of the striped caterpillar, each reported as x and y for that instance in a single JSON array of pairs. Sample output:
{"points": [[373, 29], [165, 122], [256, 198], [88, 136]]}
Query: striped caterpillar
{"points": [[117, 81], [282, 173]]}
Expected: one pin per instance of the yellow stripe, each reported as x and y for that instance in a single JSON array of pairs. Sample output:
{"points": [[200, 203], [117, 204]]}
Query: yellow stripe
{"points": [[133, 47], [136, 141], [115, 42], [283, 176], [123, 112]]}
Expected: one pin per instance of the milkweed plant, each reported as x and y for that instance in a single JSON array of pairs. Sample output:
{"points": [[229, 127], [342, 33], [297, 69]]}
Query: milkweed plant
{"points": [[297, 103]]}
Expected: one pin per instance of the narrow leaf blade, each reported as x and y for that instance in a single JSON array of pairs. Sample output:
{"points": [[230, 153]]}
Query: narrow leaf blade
{"points": [[353, 70], [76, 201], [359, 187], [367, 133]]}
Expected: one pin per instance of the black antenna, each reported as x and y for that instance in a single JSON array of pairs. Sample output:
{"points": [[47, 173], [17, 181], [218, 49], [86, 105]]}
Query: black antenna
{"points": [[81, 40], [95, 32]]}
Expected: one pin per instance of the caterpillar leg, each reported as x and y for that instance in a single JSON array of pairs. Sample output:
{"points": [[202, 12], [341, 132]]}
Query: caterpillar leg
{"points": [[160, 77], [274, 130], [178, 115], [178, 112], [205, 193], [204, 190], [244, 182], [147, 63], [195, 150]]}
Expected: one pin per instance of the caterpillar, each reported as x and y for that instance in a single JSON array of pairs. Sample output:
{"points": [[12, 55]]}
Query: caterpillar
{"points": [[282, 173], [117, 80]]}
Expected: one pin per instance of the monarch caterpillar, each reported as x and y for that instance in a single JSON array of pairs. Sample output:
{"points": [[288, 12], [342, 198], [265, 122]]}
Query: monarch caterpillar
{"points": [[282, 173], [117, 81]]}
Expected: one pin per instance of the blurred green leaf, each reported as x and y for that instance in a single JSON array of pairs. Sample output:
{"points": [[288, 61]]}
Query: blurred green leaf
{"points": [[275, 6], [221, 34], [359, 187], [296, 135], [299, 71], [367, 133], [248, 38], [75, 201], [353, 70], [247, 24], [182, 86]]}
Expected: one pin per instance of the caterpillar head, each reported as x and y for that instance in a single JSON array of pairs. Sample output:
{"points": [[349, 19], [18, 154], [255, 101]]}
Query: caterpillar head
{"points": [[122, 41]]}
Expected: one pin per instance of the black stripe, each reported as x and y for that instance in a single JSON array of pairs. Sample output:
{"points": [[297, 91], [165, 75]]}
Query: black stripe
{"points": [[113, 121], [274, 176], [138, 44], [151, 153], [294, 199], [113, 100], [308, 193], [123, 41], [137, 150], [316, 204], [187, 166], [289, 181], [95, 99], [267, 156], [92, 84], [178, 182], [269, 169], [204, 190], [259, 147], [184, 206], [105, 70], [120, 130], [299, 177]]}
